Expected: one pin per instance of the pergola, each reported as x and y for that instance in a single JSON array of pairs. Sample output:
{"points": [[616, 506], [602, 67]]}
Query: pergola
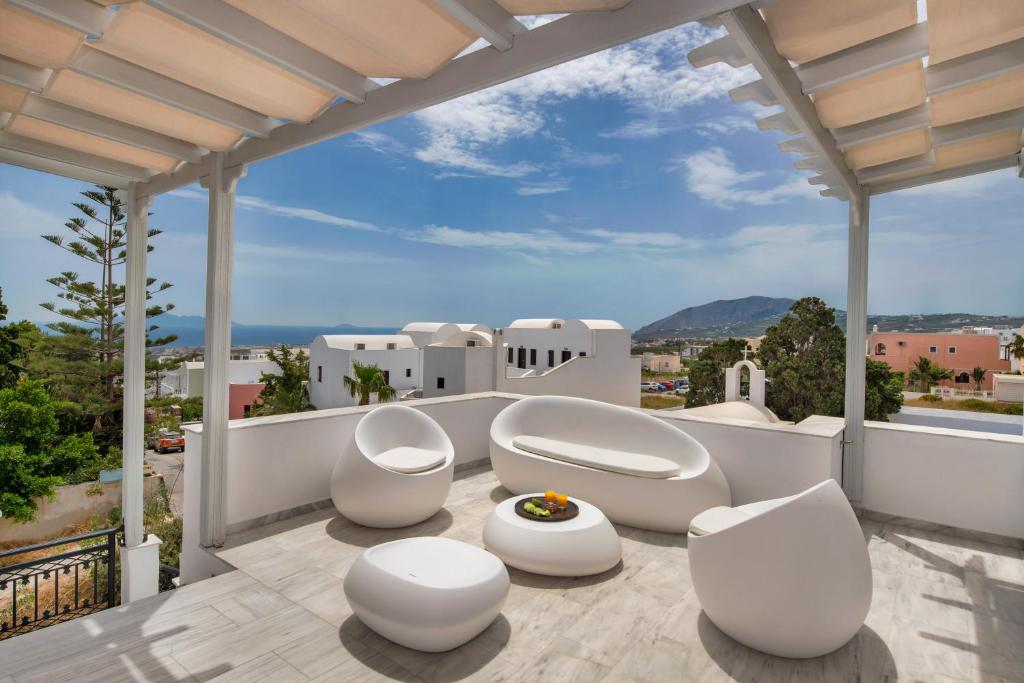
{"points": [[152, 95]]}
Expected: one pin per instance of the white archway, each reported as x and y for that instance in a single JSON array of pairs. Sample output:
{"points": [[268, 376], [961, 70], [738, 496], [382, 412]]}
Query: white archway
{"points": [[757, 382]]}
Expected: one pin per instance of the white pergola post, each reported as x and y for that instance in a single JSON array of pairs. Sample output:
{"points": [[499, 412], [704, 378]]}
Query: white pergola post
{"points": [[140, 557], [221, 182], [856, 345]]}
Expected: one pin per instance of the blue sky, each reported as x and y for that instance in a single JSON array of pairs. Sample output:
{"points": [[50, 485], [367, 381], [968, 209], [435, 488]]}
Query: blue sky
{"points": [[625, 185]]}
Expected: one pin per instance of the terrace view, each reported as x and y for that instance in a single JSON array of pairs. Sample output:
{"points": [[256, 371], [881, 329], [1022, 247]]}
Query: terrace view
{"points": [[457, 501]]}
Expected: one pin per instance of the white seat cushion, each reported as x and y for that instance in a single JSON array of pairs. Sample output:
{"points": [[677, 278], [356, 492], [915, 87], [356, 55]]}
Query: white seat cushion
{"points": [[621, 462], [716, 519], [409, 460]]}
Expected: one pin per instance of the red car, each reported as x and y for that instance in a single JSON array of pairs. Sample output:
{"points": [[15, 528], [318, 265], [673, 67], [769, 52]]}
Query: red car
{"points": [[169, 442]]}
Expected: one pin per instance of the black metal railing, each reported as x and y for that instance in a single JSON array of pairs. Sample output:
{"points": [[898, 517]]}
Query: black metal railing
{"points": [[40, 592]]}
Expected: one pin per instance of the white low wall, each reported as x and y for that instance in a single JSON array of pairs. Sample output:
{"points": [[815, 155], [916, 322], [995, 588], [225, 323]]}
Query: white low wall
{"points": [[283, 462], [994, 423], [971, 480]]}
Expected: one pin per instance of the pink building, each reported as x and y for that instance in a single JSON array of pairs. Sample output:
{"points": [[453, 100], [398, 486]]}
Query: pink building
{"points": [[960, 353], [241, 398]]}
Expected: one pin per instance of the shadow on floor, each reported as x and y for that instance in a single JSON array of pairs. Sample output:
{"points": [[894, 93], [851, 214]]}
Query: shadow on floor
{"points": [[348, 532]]}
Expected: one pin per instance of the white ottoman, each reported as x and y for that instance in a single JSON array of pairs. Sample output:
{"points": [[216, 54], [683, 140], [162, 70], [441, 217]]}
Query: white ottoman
{"points": [[427, 593], [584, 545]]}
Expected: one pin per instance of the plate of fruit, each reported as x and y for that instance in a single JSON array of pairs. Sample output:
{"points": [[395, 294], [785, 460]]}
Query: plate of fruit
{"points": [[551, 507]]}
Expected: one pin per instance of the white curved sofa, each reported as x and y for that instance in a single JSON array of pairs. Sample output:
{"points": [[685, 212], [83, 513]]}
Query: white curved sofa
{"points": [[790, 576], [635, 468], [397, 472]]}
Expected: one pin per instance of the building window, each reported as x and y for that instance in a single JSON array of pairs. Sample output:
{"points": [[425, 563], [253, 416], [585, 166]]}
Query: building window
{"points": [[880, 349], [471, 343], [551, 358], [566, 355], [387, 377], [319, 373], [963, 378], [533, 356], [583, 354], [408, 372], [246, 409], [440, 382], [392, 346], [521, 360], [933, 349], [510, 357], [952, 349], [360, 346]]}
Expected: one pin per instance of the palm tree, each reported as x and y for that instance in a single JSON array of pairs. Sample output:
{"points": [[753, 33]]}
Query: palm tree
{"points": [[927, 373], [978, 375], [369, 379], [1017, 348]]}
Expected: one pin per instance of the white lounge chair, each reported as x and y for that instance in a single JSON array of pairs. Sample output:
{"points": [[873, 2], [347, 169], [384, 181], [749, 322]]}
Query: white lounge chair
{"points": [[790, 576], [398, 471], [635, 468]]}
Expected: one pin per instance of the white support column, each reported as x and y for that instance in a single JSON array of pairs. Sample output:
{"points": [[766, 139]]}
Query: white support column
{"points": [[221, 182], [856, 345], [139, 557]]}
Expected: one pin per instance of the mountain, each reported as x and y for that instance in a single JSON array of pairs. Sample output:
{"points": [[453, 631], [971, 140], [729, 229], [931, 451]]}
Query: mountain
{"points": [[744, 317], [750, 316]]}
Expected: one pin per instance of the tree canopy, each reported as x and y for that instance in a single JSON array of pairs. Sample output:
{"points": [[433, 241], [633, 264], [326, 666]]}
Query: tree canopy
{"points": [[707, 373], [926, 374], [288, 391], [367, 381]]}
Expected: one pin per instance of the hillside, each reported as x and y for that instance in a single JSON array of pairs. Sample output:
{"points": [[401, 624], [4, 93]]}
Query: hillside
{"points": [[744, 317], [750, 316]]}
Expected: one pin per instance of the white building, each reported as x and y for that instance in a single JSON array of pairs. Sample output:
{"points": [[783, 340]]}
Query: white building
{"points": [[331, 358], [187, 379], [661, 362], [424, 334], [589, 358]]}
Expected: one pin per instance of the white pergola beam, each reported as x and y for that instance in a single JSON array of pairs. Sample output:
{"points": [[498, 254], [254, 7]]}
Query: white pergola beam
{"points": [[755, 91], [725, 49], [867, 58], [910, 165], [123, 74], [974, 67], [973, 129], [800, 145], [61, 168], [893, 124], [486, 18], [856, 345], [31, 78], [244, 31], [997, 164], [780, 122], [73, 157], [62, 115], [80, 15], [749, 30], [571, 37]]}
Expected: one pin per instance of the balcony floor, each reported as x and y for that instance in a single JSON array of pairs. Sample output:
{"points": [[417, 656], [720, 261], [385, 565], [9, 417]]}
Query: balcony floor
{"points": [[945, 609]]}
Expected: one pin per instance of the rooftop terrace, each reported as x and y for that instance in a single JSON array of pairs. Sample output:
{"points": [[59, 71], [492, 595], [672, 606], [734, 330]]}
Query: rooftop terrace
{"points": [[945, 608]]}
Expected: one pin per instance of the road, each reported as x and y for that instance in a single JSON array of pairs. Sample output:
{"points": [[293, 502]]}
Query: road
{"points": [[169, 465]]}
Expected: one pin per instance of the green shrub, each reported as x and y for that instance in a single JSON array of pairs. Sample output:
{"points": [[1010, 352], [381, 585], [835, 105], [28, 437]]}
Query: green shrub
{"points": [[932, 398]]}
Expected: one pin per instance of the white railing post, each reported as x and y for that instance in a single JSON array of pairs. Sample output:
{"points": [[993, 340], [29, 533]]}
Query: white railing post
{"points": [[140, 558], [856, 350], [221, 183]]}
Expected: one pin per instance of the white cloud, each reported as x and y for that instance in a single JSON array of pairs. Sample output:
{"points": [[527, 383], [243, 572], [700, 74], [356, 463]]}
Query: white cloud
{"points": [[650, 75], [262, 206], [546, 187], [638, 129], [643, 239], [544, 241], [726, 125], [21, 220], [711, 175], [377, 141], [592, 159]]}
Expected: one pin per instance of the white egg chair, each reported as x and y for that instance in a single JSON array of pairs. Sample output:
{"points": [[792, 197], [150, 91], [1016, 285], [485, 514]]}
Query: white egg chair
{"points": [[635, 468], [790, 577], [397, 472]]}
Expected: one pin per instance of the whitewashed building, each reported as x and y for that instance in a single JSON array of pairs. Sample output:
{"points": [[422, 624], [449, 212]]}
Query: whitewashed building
{"points": [[425, 334], [331, 358], [187, 379], [461, 364]]}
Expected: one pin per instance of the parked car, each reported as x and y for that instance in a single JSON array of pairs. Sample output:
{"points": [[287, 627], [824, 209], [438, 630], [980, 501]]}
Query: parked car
{"points": [[169, 442], [684, 382], [650, 386], [682, 389], [667, 386]]}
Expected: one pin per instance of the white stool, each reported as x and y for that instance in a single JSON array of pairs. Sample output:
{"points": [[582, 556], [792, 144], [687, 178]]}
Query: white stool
{"points": [[427, 593], [584, 545]]}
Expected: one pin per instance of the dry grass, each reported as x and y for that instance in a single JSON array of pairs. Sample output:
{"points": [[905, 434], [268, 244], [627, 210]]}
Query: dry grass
{"points": [[973, 405], [661, 401]]}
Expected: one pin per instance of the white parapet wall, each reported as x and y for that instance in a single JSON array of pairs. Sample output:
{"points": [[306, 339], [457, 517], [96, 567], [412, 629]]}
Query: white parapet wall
{"points": [[970, 480]]}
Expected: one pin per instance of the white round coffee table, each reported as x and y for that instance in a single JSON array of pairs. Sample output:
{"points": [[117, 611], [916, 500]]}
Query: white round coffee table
{"points": [[584, 545]]}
